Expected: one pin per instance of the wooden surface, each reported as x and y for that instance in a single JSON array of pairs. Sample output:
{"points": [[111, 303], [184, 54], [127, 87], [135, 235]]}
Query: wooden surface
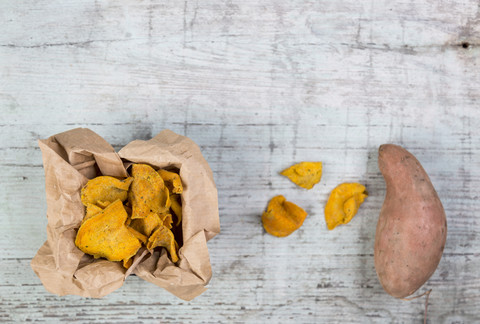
{"points": [[258, 85]]}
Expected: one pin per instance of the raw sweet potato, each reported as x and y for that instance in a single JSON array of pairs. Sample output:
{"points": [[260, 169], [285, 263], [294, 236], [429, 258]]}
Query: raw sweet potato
{"points": [[412, 228]]}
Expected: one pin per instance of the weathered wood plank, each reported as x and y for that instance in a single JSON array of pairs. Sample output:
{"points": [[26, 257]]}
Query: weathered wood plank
{"points": [[313, 295]]}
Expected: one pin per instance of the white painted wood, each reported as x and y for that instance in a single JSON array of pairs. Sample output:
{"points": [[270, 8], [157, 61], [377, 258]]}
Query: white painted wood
{"points": [[259, 86]]}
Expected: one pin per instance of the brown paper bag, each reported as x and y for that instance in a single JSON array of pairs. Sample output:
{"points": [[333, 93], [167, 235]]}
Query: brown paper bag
{"points": [[72, 158]]}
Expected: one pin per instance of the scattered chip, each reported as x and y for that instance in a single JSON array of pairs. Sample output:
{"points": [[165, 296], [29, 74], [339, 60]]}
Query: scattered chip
{"points": [[105, 188], [282, 217], [304, 174], [343, 203]]}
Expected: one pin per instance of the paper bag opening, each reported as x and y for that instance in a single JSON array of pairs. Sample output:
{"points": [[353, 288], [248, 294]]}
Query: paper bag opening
{"points": [[72, 158]]}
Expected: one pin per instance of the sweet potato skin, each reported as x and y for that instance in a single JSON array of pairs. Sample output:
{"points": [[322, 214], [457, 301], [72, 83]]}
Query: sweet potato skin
{"points": [[412, 228]]}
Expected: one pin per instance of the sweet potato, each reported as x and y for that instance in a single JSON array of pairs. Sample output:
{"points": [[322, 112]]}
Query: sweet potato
{"points": [[412, 227]]}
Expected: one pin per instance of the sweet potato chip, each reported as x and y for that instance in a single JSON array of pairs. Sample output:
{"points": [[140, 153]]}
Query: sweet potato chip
{"points": [[304, 174], [165, 200], [127, 263], [147, 194], [172, 181], [103, 204], [163, 237], [146, 225], [176, 207], [105, 234], [167, 221], [142, 238], [282, 217], [343, 203], [91, 211], [129, 215], [105, 188]]}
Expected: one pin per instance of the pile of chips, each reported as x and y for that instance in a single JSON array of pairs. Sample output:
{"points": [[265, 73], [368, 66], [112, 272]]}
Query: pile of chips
{"points": [[124, 214]]}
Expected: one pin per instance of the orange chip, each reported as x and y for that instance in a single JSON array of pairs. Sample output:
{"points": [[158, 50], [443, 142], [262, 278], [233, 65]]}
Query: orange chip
{"points": [[91, 211], [147, 194], [103, 203], [146, 225], [167, 221], [142, 238], [163, 237], [304, 174], [282, 217], [172, 180], [343, 203], [105, 234], [176, 207], [129, 213], [127, 263], [105, 188], [165, 200]]}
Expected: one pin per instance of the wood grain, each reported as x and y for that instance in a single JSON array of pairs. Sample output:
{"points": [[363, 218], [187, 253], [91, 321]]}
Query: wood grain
{"points": [[259, 86]]}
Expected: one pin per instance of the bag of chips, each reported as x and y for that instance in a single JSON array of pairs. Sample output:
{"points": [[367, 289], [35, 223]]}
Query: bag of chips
{"points": [[174, 254]]}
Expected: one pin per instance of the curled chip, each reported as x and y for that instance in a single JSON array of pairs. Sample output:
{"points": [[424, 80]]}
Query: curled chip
{"points": [[176, 208], [167, 221], [304, 174], [343, 203], [165, 200], [105, 189], [147, 194], [105, 234], [164, 237], [172, 180], [282, 217]]}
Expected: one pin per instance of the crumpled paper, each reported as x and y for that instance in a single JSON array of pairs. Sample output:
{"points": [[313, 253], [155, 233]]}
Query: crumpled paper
{"points": [[70, 159]]}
